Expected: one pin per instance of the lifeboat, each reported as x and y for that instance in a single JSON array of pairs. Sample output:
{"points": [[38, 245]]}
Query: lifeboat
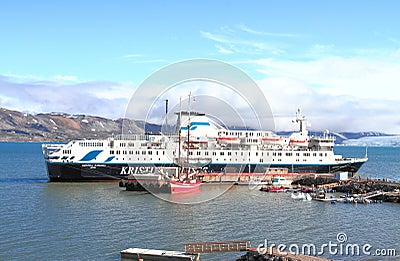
{"points": [[228, 140]]}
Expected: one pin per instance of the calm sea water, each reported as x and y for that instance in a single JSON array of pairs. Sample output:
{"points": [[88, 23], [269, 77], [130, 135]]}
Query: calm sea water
{"points": [[95, 221]]}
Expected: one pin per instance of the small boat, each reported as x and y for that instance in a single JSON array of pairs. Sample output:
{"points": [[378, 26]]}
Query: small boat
{"points": [[331, 199], [185, 186], [273, 189], [252, 182], [301, 196], [281, 181]]}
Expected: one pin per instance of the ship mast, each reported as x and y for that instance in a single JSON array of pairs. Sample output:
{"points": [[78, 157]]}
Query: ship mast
{"points": [[179, 137], [188, 136], [166, 116]]}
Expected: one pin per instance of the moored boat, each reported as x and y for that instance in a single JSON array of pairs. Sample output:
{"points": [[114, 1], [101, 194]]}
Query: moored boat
{"points": [[178, 187], [209, 146]]}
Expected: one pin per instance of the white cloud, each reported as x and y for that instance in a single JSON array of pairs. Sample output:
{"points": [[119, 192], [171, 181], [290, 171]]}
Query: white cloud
{"points": [[223, 50], [327, 110], [240, 45], [252, 31], [107, 99], [336, 93], [65, 78], [358, 77], [132, 55]]}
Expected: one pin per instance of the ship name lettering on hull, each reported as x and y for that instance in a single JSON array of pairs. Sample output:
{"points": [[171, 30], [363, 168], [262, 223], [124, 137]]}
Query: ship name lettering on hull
{"points": [[136, 170]]}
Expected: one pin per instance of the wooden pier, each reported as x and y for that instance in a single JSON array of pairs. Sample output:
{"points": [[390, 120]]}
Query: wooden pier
{"points": [[212, 247], [194, 249]]}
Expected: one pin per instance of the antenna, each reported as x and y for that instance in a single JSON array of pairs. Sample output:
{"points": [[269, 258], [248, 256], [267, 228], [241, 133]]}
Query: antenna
{"points": [[166, 116]]}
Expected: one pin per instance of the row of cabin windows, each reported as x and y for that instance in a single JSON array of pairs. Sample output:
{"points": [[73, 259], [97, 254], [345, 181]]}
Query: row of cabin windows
{"points": [[206, 153], [251, 134], [90, 144], [138, 159], [136, 152], [67, 151], [279, 154], [130, 144]]}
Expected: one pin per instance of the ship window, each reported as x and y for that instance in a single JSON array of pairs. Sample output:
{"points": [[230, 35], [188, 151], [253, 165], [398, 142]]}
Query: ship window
{"points": [[279, 153], [320, 154], [157, 152], [326, 154], [314, 154], [229, 153], [288, 154], [297, 154], [118, 152], [206, 153], [143, 152], [214, 153], [198, 153], [221, 153], [150, 152], [190, 152], [256, 153], [111, 152]]}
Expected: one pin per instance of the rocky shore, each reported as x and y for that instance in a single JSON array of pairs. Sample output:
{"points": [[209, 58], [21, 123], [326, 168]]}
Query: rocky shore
{"points": [[357, 186]]}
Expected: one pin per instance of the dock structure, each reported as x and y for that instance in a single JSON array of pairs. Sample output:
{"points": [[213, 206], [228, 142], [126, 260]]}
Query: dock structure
{"points": [[211, 247], [141, 254], [194, 249]]}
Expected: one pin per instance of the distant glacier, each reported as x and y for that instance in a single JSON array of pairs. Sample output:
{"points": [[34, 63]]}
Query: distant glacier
{"points": [[382, 141]]}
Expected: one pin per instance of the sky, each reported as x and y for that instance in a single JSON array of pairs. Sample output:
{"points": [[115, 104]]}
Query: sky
{"points": [[339, 61]]}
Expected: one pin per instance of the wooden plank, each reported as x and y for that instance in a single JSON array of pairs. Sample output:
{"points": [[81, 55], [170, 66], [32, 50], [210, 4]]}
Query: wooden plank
{"points": [[210, 247]]}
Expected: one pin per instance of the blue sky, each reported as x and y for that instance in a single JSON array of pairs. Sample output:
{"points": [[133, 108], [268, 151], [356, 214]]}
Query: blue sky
{"points": [[335, 59]]}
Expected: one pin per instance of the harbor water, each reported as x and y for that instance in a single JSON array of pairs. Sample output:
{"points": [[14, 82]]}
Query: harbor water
{"points": [[95, 221]]}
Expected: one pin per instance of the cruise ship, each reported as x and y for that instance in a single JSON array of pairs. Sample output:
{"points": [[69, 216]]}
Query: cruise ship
{"points": [[199, 142]]}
